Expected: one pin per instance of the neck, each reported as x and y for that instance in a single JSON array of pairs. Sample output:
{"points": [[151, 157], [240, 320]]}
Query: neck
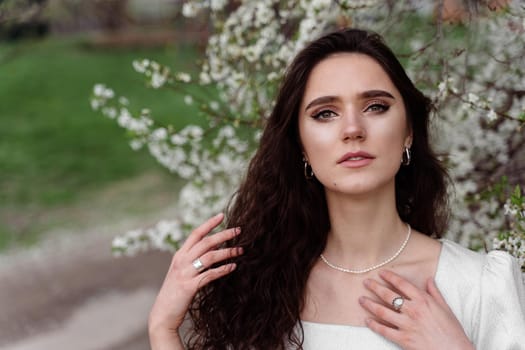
{"points": [[364, 230]]}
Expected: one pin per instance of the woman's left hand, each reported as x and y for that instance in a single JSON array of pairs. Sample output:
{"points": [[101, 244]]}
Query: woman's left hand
{"points": [[424, 320]]}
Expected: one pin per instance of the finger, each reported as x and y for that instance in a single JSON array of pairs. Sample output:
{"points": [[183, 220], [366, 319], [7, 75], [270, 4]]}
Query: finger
{"points": [[213, 274], [197, 234], [384, 293], [211, 242], [401, 284], [216, 256], [389, 333], [382, 312], [434, 292]]}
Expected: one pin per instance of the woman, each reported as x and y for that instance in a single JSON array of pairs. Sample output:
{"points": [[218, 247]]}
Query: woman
{"points": [[333, 233]]}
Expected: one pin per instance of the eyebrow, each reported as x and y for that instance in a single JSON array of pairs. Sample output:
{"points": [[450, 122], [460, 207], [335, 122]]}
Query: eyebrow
{"points": [[376, 93], [364, 94]]}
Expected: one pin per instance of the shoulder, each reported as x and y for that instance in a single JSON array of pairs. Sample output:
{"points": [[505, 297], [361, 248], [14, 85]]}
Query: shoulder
{"points": [[456, 260], [461, 267], [485, 291], [458, 272]]}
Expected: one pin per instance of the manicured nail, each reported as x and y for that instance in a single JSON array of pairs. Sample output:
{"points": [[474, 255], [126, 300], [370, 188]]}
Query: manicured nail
{"points": [[237, 230], [361, 300]]}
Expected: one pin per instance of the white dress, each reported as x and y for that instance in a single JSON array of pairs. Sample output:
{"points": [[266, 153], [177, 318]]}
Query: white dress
{"points": [[485, 292]]}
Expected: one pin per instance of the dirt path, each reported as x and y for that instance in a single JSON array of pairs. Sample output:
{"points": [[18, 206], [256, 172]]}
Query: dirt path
{"points": [[70, 293]]}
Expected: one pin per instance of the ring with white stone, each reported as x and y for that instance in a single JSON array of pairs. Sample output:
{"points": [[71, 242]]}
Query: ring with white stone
{"points": [[397, 303], [198, 265]]}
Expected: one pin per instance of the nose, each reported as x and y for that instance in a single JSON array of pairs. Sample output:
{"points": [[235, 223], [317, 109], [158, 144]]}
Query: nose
{"points": [[353, 128]]}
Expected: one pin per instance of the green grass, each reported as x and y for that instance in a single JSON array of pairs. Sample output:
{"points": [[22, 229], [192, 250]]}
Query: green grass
{"points": [[53, 148]]}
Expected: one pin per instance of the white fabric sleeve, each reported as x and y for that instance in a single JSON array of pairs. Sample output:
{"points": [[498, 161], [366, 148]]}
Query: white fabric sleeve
{"points": [[502, 305]]}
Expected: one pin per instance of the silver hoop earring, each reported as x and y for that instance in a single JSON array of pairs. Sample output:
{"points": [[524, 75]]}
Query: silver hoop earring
{"points": [[308, 172], [405, 159]]}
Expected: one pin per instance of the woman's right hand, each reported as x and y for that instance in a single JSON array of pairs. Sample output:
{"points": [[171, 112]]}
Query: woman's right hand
{"points": [[184, 278]]}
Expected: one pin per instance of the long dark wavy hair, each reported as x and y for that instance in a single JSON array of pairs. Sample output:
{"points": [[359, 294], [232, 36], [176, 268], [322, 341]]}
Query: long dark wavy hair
{"points": [[284, 217]]}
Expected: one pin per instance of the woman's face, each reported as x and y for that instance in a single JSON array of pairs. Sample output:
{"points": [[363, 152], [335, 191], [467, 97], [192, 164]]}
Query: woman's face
{"points": [[352, 124]]}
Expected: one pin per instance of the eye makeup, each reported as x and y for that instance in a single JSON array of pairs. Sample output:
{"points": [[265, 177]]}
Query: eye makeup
{"points": [[376, 106], [324, 114]]}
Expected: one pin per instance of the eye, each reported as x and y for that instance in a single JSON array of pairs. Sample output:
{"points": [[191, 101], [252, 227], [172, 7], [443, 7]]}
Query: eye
{"points": [[324, 114], [377, 106]]}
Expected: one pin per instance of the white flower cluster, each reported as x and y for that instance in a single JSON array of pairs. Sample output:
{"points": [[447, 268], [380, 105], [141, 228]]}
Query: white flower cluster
{"points": [[514, 241], [158, 75], [104, 99], [183, 152], [165, 235], [212, 167], [513, 245], [252, 45], [101, 94], [479, 124]]}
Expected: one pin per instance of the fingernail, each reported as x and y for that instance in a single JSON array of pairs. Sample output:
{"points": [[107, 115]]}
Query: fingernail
{"points": [[361, 300], [237, 230], [241, 250], [366, 282]]}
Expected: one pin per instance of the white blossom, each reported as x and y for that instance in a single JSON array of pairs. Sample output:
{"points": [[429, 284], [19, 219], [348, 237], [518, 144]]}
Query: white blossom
{"points": [[214, 105], [100, 90], [159, 134], [136, 144], [95, 104], [110, 112], [472, 98], [178, 139], [204, 78], [184, 77], [492, 116], [190, 9], [217, 5], [227, 131], [158, 80], [186, 171], [193, 131], [188, 99], [140, 66]]}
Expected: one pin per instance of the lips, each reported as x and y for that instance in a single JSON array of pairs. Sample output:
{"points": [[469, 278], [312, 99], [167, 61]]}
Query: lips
{"points": [[355, 156]]}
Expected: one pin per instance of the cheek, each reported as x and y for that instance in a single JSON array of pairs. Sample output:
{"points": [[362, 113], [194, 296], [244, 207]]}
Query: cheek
{"points": [[393, 135], [316, 144], [392, 146]]}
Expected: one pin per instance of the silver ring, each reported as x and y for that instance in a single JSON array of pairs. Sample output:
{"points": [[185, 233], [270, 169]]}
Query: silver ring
{"points": [[397, 303], [198, 265]]}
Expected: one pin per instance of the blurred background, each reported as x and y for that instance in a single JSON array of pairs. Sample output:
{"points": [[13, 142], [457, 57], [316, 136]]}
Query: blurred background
{"points": [[69, 182]]}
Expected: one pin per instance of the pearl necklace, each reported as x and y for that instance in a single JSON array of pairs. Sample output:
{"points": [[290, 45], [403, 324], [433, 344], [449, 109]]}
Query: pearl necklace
{"points": [[342, 269]]}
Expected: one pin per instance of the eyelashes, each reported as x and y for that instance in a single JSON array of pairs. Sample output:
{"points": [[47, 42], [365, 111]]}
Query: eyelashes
{"points": [[374, 107], [324, 114], [377, 106]]}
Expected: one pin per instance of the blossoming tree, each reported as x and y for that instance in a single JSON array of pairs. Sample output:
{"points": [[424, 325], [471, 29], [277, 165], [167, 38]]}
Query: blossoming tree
{"points": [[475, 74]]}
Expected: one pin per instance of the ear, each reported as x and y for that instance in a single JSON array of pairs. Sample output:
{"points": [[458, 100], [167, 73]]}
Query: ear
{"points": [[409, 132], [305, 157], [408, 139]]}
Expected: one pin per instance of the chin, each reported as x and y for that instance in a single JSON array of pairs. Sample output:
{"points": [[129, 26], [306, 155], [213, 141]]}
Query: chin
{"points": [[353, 188], [350, 189]]}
